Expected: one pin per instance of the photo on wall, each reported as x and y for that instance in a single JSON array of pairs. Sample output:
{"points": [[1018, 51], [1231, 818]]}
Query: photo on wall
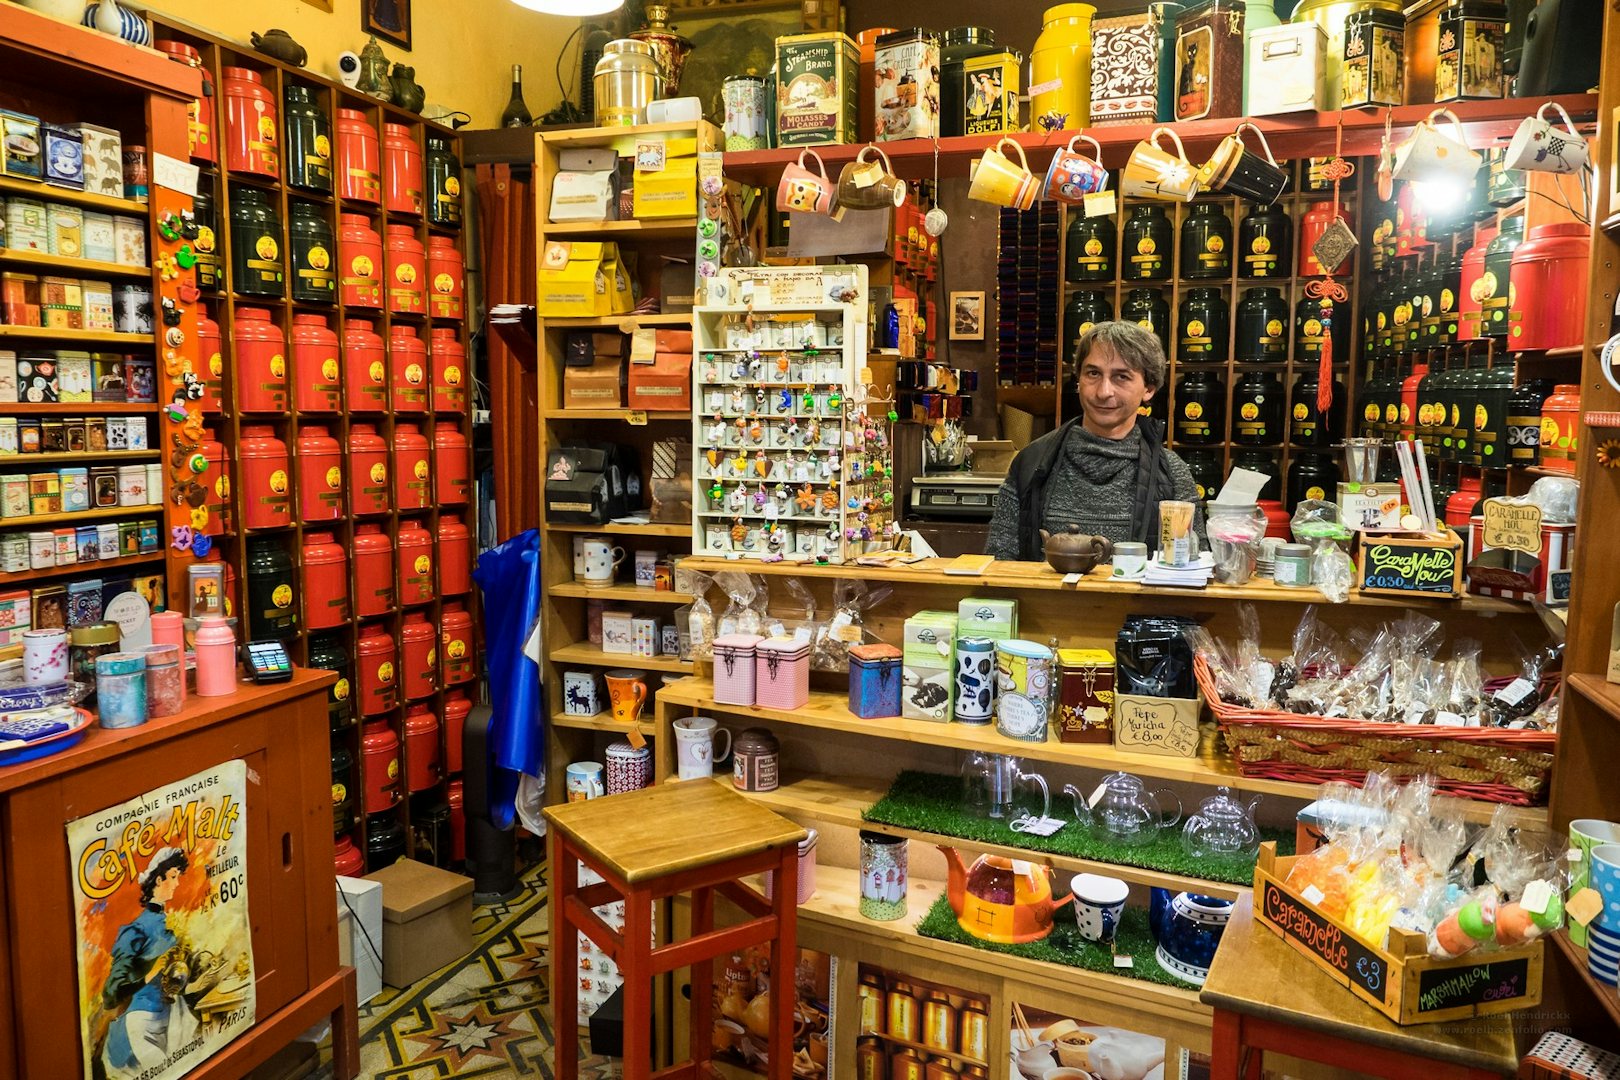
{"points": [[742, 1004], [908, 1024], [1046, 1045]]}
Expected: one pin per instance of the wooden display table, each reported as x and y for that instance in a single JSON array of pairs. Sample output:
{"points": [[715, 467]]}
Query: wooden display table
{"points": [[1266, 996], [280, 732]]}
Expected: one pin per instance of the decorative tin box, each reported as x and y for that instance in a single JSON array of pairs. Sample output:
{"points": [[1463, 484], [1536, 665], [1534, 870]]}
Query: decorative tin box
{"points": [[990, 89], [1124, 70], [1209, 60], [64, 156], [1287, 69], [1374, 59], [874, 681], [815, 89], [782, 673], [1085, 695], [906, 98], [734, 656], [103, 161], [21, 145]]}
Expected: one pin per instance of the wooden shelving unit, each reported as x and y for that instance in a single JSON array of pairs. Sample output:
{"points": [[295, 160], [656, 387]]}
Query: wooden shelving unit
{"points": [[12, 186], [227, 424], [12, 332], [61, 264]]}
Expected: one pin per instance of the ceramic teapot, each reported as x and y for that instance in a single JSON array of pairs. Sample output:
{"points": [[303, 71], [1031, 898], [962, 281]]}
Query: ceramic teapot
{"points": [[280, 45], [1074, 552], [408, 93], [1124, 811], [1002, 900], [1222, 827], [992, 780]]}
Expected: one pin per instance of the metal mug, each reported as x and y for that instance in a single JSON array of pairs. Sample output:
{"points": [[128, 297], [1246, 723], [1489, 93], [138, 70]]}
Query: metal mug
{"points": [[1072, 176], [1000, 182], [803, 191], [1428, 155], [1540, 147], [1234, 169], [867, 185], [1154, 173]]}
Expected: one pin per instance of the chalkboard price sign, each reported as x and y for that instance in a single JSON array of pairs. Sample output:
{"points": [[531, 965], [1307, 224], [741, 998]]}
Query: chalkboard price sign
{"points": [[1475, 984], [1342, 952], [1431, 565]]}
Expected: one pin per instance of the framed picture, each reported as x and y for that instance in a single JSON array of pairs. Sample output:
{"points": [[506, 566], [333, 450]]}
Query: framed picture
{"points": [[390, 20], [967, 316], [324, 5]]}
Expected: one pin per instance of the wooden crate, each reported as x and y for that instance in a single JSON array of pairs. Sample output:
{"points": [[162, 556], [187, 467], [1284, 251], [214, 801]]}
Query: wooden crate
{"points": [[1429, 565], [1403, 982]]}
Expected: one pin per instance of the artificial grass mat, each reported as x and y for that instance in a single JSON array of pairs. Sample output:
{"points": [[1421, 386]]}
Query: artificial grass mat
{"points": [[933, 802], [1065, 946]]}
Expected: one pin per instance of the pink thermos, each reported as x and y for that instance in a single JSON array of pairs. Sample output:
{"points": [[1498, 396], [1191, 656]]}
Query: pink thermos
{"points": [[216, 658]]}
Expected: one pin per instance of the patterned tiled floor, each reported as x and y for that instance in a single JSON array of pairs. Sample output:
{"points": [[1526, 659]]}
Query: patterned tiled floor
{"points": [[486, 1017]]}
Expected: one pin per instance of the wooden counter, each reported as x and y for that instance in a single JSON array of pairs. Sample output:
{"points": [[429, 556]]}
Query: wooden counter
{"points": [[280, 732]]}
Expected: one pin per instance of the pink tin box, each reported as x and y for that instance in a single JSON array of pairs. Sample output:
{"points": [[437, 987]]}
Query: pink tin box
{"points": [[807, 871], [734, 656], [782, 674]]}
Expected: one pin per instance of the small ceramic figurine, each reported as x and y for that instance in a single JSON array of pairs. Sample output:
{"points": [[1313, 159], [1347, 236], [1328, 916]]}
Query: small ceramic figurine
{"points": [[279, 45]]}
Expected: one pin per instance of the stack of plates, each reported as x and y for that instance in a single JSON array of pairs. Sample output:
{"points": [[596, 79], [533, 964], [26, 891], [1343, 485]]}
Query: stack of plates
{"points": [[1603, 954]]}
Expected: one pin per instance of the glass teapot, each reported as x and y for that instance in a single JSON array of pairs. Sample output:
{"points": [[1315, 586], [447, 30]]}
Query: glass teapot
{"points": [[1123, 810], [1223, 826], [992, 780]]}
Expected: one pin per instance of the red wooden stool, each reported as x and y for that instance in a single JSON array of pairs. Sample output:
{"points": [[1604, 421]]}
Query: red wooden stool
{"points": [[694, 837]]}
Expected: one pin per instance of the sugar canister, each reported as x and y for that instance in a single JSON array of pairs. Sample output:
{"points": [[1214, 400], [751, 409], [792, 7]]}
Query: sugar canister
{"points": [[755, 754], [121, 689], [782, 673], [874, 681]]}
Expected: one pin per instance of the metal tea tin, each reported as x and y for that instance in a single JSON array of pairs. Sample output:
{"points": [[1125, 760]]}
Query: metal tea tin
{"points": [[754, 757], [444, 182], [313, 255], [1468, 63], [1086, 695], [816, 92], [626, 81], [990, 92], [1089, 249], [256, 244], [1374, 59], [747, 105], [309, 140], [975, 680], [959, 45], [1024, 674]]}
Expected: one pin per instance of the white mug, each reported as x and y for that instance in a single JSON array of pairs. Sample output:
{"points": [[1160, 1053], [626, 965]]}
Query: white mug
{"points": [[579, 558], [695, 750], [1539, 147], [1428, 155], [602, 560], [646, 568]]}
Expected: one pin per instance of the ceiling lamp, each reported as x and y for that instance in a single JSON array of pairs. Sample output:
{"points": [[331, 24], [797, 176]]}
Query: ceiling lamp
{"points": [[571, 7]]}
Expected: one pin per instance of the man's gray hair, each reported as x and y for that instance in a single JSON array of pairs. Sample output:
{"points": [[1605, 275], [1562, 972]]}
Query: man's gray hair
{"points": [[1138, 348]]}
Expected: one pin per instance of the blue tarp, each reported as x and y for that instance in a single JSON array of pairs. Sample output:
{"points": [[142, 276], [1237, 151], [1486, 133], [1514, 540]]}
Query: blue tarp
{"points": [[509, 575]]}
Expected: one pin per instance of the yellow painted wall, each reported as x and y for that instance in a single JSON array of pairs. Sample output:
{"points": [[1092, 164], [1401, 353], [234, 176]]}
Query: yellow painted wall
{"points": [[463, 49]]}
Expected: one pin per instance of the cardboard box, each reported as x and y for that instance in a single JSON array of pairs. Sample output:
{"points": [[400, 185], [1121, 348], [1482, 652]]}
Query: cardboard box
{"points": [[1401, 565], [1167, 727], [664, 385], [1370, 506], [928, 664], [582, 279], [995, 619], [668, 188], [427, 920], [360, 913], [598, 385], [618, 632]]}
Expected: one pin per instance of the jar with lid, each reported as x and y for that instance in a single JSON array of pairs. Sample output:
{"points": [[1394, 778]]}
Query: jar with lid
{"points": [[871, 1063], [1205, 466], [1468, 62], [1471, 290], [1493, 286], [407, 271], [939, 1022], [199, 111], [1200, 409], [874, 1010], [272, 607], [1308, 425], [1548, 287], [1203, 327], [309, 140], [205, 214], [443, 183], [255, 244], [1085, 309], [1148, 309], [1265, 243], [313, 255], [86, 644], [961, 44], [1089, 248], [1261, 462], [1060, 65], [328, 653], [1206, 242], [1147, 244], [755, 757], [1440, 320], [1257, 409], [1524, 421], [883, 899], [1312, 476], [250, 124], [1379, 241], [1456, 442], [1560, 428], [121, 690], [626, 80], [359, 157], [1488, 442], [1292, 569], [904, 1064], [1373, 58], [1262, 320], [975, 1034], [360, 258], [1410, 380]]}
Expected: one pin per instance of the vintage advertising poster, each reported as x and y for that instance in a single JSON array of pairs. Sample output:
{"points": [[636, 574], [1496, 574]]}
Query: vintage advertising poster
{"points": [[742, 1005], [161, 912]]}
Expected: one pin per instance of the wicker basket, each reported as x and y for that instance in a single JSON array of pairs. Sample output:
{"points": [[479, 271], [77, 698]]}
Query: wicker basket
{"points": [[1491, 764]]}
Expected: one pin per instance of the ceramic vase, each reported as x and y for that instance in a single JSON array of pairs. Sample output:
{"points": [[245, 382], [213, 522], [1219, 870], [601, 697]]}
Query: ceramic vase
{"points": [[113, 18]]}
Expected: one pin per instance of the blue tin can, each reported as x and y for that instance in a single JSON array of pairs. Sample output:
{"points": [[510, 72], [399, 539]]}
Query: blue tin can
{"points": [[975, 680], [121, 689], [874, 681]]}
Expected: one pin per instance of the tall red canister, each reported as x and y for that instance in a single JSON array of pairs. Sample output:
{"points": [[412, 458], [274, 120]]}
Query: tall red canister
{"points": [[408, 371], [266, 491], [378, 671], [211, 362], [320, 474], [411, 469], [199, 111], [455, 556], [365, 367], [1470, 310], [458, 821], [252, 128], [360, 261], [456, 707], [446, 277], [373, 570], [359, 162], [449, 371], [407, 270], [1560, 428], [261, 362], [316, 373], [1548, 288], [379, 750], [456, 644], [1311, 228], [415, 563], [419, 648], [1460, 506], [346, 858], [451, 481], [368, 470], [402, 171], [326, 581], [421, 747], [215, 480]]}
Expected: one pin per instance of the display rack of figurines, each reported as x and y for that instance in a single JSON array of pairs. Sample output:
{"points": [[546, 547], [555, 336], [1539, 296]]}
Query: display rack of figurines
{"points": [[792, 446]]}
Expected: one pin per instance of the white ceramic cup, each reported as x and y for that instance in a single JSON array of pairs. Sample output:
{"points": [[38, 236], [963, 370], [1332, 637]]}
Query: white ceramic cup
{"points": [[1427, 154], [584, 780], [695, 749], [602, 560], [1538, 146], [45, 657]]}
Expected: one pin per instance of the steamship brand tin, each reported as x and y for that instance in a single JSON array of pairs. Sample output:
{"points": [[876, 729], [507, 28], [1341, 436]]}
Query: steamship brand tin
{"points": [[815, 91]]}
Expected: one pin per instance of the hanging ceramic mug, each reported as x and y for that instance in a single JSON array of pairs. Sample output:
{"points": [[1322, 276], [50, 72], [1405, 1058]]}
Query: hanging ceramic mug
{"points": [[1001, 182], [1234, 169], [867, 185], [1155, 173], [1072, 176], [803, 191], [1429, 156], [1540, 147]]}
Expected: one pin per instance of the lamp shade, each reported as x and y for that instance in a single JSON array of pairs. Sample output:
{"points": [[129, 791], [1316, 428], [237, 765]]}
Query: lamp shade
{"points": [[571, 7]]}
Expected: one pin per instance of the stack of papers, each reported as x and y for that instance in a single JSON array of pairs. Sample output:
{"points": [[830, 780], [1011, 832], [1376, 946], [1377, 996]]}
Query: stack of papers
{"points": [[1195, 575]]}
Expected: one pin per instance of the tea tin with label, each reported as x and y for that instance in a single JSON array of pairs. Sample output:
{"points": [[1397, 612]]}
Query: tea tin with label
{"points": [[975, 680], [747, 112], [1024, 676], [1089, 248], [816, 92], [1374, 59], [755, 755], [1209, 60], [906, 97], [874, 681], [990, 92], [1085, 695], [1468, 61]]}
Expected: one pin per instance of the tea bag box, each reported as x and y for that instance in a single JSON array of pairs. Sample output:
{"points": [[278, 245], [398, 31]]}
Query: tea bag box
{"points": [[995, 619], [928, 655]]}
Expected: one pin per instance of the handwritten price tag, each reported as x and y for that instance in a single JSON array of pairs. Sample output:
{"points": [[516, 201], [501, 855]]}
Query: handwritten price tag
{"points": [[1512, 525]]}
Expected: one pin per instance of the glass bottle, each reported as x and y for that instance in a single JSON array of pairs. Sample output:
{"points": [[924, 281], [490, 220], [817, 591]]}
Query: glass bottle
{"points": [[517, 113]]}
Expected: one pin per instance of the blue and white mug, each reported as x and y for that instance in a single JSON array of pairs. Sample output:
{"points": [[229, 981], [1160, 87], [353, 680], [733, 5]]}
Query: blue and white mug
{"points": [[1099, 901]]}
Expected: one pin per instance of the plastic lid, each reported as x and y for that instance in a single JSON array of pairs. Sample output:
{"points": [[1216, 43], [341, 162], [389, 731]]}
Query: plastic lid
{"points": [[120, 663], [1030, 650], [101, 633]]}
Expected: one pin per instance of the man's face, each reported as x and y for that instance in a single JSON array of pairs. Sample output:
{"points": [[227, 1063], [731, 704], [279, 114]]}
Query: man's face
{"points": [[167, 882], [1110, 389]]}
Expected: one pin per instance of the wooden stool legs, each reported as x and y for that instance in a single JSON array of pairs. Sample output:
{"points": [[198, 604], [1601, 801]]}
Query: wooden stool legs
{"points": [[564, 961]]}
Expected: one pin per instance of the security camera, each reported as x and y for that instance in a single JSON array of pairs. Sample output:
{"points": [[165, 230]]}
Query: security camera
{"points": [[348, 65]]}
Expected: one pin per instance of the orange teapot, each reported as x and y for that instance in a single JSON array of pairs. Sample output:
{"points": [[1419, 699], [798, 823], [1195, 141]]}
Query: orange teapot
{"points": [[1008, 901]]}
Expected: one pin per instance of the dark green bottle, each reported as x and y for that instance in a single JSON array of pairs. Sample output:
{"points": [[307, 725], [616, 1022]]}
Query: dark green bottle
{"points": [[1262, 326], [1206, 242], [1089, 248], [272, 604], [444, 183], [309, 141], [1147, 244], [313, 254], [1203, 327], [256, 267], [1265, 243]]}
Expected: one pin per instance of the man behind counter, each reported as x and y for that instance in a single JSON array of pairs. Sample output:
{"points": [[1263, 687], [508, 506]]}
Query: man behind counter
{"points": [[1106, 471]]}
